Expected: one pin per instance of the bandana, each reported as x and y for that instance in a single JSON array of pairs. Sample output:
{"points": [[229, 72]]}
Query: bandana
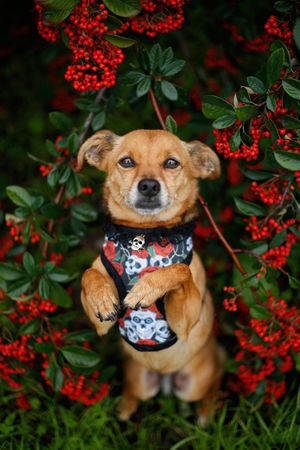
{"points": [[130, 253]]}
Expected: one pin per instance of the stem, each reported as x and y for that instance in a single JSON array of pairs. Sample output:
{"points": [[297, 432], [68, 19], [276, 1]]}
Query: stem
{"points": [[156, 109], [220, 235], [61, 191], [200, 198]]}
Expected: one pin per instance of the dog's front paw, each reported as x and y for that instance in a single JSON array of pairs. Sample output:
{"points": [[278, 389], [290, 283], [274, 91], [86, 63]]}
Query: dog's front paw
{"points": [[141, 295], [103, 303]]}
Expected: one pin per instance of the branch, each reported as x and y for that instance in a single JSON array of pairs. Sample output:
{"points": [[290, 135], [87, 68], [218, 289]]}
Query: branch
{"points": [[200, 198], [61, 191], [156, 109]]}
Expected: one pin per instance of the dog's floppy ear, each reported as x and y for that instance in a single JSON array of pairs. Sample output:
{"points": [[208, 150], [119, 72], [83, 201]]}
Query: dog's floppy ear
{"points": [[95, 149], [205, 162]]}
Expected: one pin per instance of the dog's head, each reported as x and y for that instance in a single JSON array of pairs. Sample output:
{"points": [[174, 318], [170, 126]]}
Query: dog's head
{"points": [[152, 174]]}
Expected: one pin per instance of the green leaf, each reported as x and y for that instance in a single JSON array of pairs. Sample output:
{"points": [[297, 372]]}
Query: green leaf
{"points": [[249, 208], [119, 41], [19, 287], [283, 6], [246, 112], [53, 177], [155, 57], [60, 121], [81, 336], [98, 121], [87, 104], [29, 263], [259, 312], [292, 87], [59, 295], [73, 142], [256, 85], [19, 196], [235, 140], [84, 212], [271, 103], [143, 87], [278, 239], [56, 11], [171, 124], [61, 276], [173, 68], [30, 327], [214, 107], [55, 374], [294, 283], [133, 77], [51, 148], [243, 95], [80, 357], [224, 121], [257, 174], [124, 8], [290, 122], [65, 175], [73, 186], [279, 44], [274, 66], [10, 271], [44, 288], [288, 160], [44, 347], [296, 32], [169, 90]]}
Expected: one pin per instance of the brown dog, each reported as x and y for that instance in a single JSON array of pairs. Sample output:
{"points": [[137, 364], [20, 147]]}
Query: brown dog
{"points": [[151, 185]]}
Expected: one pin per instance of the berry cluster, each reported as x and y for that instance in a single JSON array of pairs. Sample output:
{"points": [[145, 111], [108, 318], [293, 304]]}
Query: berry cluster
{"points": [[259, 44], [215, 58], [268, 229], [158, 17], [16, 230], [270, 344], [94, 59], [280, 29], [247, 152]]}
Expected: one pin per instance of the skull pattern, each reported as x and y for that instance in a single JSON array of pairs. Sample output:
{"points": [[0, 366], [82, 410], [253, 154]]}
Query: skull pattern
{"points": [[134, 264]]}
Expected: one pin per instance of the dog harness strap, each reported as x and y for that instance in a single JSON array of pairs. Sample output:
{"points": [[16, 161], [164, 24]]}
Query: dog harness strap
{"points": [[130, 253]]}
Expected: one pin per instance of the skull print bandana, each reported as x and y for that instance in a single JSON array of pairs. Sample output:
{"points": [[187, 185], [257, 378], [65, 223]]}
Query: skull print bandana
{"points": [[130, 253]]}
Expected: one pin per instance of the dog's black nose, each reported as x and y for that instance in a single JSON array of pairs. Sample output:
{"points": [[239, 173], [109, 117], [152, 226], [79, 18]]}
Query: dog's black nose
{"points": [[149, 187]]}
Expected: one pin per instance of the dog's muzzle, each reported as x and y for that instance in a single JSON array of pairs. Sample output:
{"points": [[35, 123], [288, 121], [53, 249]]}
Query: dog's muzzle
{"points": [[148, 194]]}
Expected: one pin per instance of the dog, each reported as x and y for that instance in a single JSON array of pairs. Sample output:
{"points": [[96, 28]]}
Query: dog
{"points": [[148, 278]]}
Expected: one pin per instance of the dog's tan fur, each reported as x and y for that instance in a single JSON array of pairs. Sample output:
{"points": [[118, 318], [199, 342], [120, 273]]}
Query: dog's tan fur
{"points": [[195, 360]]}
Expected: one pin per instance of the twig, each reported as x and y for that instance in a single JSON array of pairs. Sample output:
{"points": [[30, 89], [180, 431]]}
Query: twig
{"points": [[61, 191], [200, 198], [220, 235], [156, 109]]}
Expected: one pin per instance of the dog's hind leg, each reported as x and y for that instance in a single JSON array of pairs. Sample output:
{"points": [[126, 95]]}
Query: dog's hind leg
{"points": [[200, 380], [139, 384]]}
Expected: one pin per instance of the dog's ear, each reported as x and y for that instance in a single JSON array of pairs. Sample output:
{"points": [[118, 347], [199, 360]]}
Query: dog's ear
{"points": [[95, 149], [205, 162]]}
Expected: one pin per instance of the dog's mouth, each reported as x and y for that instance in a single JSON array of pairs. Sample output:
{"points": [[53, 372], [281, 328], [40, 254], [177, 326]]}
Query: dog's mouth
{"points": [[150, 204]]}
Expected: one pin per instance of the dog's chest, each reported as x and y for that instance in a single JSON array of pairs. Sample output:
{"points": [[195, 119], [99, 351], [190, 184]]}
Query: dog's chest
{"points": [[130, 258]]}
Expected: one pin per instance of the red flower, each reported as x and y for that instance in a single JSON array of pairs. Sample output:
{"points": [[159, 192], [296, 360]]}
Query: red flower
{"points": [[109, 250], [140, 253], [118, 266], [163, 251]]}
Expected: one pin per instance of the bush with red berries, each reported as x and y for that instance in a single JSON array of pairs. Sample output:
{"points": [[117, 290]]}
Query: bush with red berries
{"points": [[111, 59]]}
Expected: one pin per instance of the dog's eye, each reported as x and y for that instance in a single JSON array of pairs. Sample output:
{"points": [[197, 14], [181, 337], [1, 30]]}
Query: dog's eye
{"points": [[127, 162], [171, 163]]}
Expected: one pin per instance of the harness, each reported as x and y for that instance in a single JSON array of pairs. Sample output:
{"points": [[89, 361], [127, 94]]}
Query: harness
{"points": [[130, 253]]}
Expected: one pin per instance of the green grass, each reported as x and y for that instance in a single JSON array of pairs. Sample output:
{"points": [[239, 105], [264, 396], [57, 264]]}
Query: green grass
{"points": [[161, 424]]}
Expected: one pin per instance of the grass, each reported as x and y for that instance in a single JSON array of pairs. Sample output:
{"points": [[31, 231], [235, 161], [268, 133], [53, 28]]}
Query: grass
{"points": [[161, 424]]}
